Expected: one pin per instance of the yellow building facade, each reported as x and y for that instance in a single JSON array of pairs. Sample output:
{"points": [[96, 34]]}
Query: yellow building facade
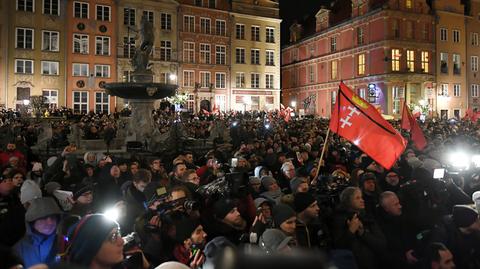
{"points": [[163, 14], [3, 48], [255, 56], [473, 54], [36, 52], [451, 58]]}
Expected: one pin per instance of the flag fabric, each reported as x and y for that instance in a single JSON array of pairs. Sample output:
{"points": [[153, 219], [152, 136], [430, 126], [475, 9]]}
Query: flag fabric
{"points": [[410, 124], [285, 113], [471, 115], [360, 123]]}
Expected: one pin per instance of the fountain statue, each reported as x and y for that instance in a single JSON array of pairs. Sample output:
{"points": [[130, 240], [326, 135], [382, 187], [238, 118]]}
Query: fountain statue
{"points": [[142, 91]]}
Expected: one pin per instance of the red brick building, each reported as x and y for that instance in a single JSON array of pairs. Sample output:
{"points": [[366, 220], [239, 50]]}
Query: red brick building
{"points": [[204, 49], [384, 50], [91, 54]]}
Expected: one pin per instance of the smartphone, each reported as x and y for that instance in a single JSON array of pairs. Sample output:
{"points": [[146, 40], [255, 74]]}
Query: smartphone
{"points": [[439, 173], [234, 162]]}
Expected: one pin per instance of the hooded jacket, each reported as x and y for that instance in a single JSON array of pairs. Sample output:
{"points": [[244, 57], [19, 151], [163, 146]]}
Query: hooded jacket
{"points": [[35, 248]]}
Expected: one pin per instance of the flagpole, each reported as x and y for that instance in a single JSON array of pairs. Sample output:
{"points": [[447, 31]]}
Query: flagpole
{"points": [[325, 146]]}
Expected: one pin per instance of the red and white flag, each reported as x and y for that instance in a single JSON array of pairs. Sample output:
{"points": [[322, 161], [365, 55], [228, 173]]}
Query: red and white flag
{"points": [[360, 123]]}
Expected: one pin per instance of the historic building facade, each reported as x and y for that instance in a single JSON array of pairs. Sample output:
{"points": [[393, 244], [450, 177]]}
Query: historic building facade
{"points": [[255, 54], [204, 46], [36, 52], [473, 52], [91, 55], [452, 63], [221, 53], [3, 49], [385, 52]]}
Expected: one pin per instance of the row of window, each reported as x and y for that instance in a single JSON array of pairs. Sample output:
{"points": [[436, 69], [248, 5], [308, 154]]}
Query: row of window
{"points": [[205, 25], [444, 35], [24, 39], [456, 90], [130, 18], [80, 102], [220, 80], [25, 66], [80, 9], [254, 56], [255, 33], [455, 61]]}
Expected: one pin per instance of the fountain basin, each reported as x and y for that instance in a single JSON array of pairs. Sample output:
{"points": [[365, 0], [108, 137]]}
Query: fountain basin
{"points": [[139, 90]]}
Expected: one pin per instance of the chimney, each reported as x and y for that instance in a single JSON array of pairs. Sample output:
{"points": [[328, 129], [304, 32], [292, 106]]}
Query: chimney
{"points": [[295, 32], [323, 19]]}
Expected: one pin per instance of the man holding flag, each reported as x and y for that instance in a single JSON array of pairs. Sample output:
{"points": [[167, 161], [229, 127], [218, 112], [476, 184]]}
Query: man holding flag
{"points": [[359, 122]]}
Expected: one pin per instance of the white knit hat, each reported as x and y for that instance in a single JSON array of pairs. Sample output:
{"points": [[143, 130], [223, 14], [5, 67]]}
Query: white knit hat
{"points": [[29, 191]]}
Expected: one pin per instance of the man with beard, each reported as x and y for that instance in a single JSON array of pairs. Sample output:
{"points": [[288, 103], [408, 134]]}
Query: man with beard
{"points": [[191, 239], [11, 151], [227, 221]]}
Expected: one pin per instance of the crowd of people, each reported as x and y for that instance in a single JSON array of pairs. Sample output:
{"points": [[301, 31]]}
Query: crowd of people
{"points": [[265, 194]]}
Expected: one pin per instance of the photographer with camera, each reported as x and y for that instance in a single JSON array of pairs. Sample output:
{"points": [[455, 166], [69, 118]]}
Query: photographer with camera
{"points": [[95, 242]]}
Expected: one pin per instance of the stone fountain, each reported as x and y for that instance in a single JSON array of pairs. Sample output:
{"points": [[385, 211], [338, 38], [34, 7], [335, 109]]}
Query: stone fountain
{"points": [[142, 92]]}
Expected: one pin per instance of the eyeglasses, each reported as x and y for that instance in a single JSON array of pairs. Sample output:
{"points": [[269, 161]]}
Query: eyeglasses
{"points": [[114, 236]]}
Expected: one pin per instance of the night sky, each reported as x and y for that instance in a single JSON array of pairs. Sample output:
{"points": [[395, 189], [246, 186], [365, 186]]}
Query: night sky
{"points": [[300, 10]]}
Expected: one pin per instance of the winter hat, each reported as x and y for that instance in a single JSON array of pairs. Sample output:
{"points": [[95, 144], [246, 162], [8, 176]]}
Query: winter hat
{"points": [[286, 166], [259, 201], [80, 189], [295, 182], [273, 240], [216, 246], [430, 165], [464, 216], [52, 186], [51, 160], [222, 207], [184, 229], [41, 208], [254, 180], [37, 167], [302, 201], [281, 213], [87, 237], [367, 176], [267, 181], [172, 265], [29, 191]]}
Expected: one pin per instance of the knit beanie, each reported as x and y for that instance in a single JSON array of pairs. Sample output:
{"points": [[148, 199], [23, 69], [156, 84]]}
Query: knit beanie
{"points": [[295, 182], [87, 237], [37, 167], [281, 213], [367, 176], [267, 181], [253, 180], [29, 191], [464, 216], [302, 201], [80, 189], [184, 229], [222, 207], [273, 240]]}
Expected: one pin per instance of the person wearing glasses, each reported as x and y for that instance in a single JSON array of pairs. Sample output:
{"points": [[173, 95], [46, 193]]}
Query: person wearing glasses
{"points": [[96, 243]]}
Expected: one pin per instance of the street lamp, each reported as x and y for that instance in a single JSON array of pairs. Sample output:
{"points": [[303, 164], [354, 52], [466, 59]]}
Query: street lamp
{"points": [[172, 78]]}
